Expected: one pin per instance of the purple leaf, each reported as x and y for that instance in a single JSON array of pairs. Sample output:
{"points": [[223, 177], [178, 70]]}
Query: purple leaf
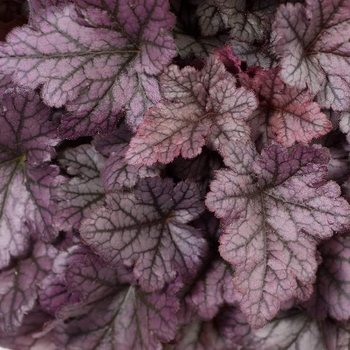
{"points": [[147, 229], [116, 173], [79, 65], [84, 191], [19, 289], [207, 108], [229, 330], [23, 339], [125, 319], [294, 330], [289, 114], [332, 288], [313, 43], [344, 125], [26, 143], [274, 209], [200, 168], [212, 290], [5, 83]]}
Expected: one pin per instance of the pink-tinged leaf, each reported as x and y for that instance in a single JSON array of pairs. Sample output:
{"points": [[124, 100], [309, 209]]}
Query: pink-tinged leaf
{"points": [[147, 229], [313, 43], [332, 288], [116, 173], [99, 70], [19, 289], [274, 210], [205, 108], [125, 319], [294, 330], [290, 114], [84, 190]]}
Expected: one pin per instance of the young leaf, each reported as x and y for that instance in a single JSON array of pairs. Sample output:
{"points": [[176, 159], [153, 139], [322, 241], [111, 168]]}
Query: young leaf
{"points": [[207, 108], [274, 209], [313, 44], [19, 289], [290, 114], [84, 191], [147, 229], [98, 70]]}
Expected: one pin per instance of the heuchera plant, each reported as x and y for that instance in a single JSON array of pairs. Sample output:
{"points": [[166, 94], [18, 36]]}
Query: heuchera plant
{"points": [[175, 174]]}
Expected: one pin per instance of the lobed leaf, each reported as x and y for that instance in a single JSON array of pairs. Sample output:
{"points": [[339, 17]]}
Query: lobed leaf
{"points": [[288, 113], [274, 209], [19, 289], [207, 108], [98, 67], [84, 190], [313, 44], [147, 230]]}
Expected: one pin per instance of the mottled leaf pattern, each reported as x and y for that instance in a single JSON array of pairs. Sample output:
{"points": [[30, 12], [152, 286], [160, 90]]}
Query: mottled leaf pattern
{"points": [[84, 191], [313, 43], [207, 108], [148, 230], [97, 71], [274, 208]]}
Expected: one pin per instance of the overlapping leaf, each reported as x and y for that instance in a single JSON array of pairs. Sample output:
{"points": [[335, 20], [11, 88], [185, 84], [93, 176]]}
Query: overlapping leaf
{"points": [[229, 330], [27, 184], [84, 191], [207, 108], [294, 330], [19, 289], [274, 209], [288, 114], [112, 315], [332, 288], [147, 229], [116, 173], [23, 339], [98, 70], [313, 43]]}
